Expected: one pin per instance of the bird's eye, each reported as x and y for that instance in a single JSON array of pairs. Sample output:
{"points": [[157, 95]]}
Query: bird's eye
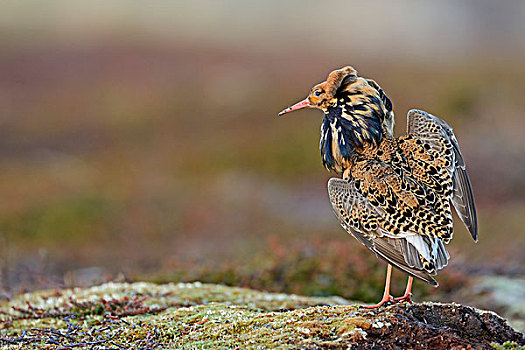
{"points": [[317, 93]]}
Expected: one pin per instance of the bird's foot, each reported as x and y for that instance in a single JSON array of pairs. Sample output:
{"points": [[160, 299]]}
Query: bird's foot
{"points": [[387, 299], [404, 299], [391, 300]]}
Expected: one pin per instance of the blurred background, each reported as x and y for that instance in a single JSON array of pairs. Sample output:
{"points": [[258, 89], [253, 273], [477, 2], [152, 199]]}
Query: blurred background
{"points": [[140, 140]]}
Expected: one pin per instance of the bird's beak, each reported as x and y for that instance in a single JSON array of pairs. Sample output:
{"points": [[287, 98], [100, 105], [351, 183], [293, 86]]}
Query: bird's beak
{"points": [[298, 105]]}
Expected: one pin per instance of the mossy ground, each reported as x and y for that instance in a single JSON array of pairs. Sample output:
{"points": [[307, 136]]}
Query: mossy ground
{"points": [[201, 316], [191, 315]]}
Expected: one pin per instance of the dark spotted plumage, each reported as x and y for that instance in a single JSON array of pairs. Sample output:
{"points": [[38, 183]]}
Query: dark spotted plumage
{"points": [[359, 116], [394, 194]]}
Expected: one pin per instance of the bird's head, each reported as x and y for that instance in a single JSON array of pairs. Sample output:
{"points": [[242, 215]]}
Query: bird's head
{"points": [[323, 95], [356, 113]]}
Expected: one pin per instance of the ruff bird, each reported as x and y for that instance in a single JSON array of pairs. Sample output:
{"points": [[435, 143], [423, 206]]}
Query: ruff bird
{"points": [[393, 194]]}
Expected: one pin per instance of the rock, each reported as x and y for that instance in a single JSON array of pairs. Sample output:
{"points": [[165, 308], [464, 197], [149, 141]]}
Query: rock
{"points": [[196, 315], [501, 293]]}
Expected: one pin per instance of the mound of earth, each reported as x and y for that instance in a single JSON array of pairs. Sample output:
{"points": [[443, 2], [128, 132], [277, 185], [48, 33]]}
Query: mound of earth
{"points": [[196, 315]]}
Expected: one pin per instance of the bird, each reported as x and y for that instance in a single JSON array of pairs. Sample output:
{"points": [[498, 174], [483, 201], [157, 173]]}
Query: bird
{"points": [[393, 194]]}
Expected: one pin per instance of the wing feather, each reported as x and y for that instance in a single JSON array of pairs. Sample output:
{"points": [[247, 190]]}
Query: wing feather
{"points": [[430, 128], [396, 251]]}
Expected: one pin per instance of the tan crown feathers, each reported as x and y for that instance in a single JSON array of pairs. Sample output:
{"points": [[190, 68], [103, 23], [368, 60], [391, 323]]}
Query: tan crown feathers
{"points": [[334, 80]]}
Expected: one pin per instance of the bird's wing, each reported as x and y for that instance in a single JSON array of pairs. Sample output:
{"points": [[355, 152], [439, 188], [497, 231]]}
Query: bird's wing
{"points": [[359, 217], [432, 130]]}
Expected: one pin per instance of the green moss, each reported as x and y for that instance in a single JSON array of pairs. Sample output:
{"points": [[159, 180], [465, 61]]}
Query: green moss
{"points": [[198, 316], [508, 345]]}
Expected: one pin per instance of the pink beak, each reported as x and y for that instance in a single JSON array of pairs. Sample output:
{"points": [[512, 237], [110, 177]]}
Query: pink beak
{"points": [[298, 105]]}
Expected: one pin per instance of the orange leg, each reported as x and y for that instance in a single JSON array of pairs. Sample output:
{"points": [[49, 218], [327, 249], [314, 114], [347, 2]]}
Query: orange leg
{"points": [[408, 292], [386, 295]]}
